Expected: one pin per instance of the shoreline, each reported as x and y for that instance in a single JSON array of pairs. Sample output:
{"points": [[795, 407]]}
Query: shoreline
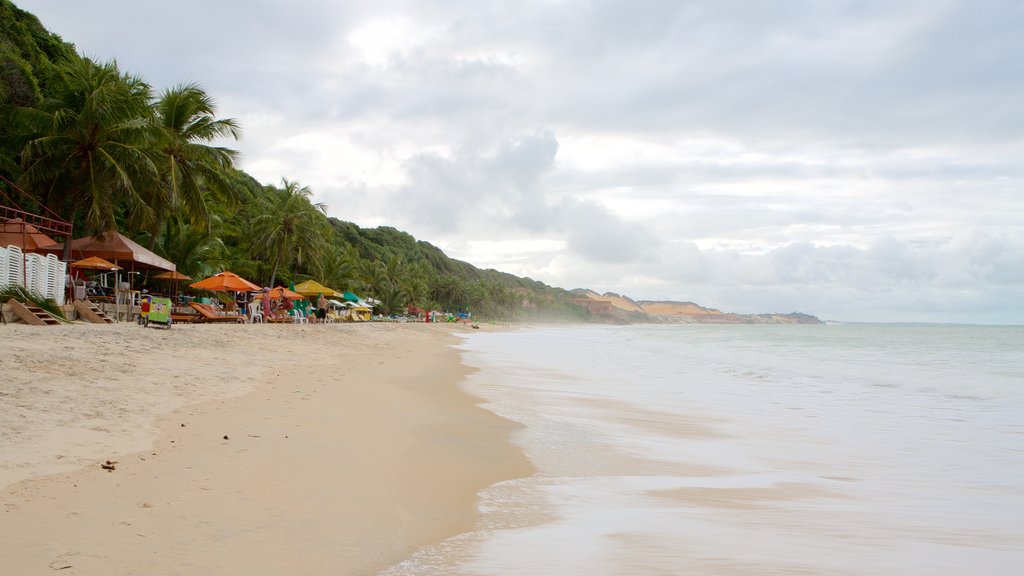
{"points": [[354, 447]]}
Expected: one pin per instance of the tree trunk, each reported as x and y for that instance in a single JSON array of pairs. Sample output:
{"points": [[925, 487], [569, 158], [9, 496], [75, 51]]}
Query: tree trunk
{"points": [[273, 272]]}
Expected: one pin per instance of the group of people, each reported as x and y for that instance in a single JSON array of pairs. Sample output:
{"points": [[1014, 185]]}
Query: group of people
{"points": [[282, 307]]}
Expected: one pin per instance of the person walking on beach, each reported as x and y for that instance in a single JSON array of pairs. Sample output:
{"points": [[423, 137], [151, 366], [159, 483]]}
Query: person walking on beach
{"points": [[321, 309]]}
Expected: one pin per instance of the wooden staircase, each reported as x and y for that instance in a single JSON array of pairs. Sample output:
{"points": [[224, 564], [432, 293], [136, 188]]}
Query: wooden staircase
{"points": [[32, 314], [90, 311]]}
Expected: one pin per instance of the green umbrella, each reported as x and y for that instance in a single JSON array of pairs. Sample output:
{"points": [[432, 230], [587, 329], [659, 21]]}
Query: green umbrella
{"points": [[301, 304]]}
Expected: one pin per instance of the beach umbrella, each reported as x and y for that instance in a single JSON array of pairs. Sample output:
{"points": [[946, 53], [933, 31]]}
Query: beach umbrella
{"points": [[350, 297], [173, 275], [313, 288], [281, 292], [94, 263], [225, 282]]}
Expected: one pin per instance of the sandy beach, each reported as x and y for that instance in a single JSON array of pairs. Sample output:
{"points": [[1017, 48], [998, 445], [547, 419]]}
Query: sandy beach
{"points": [[337, 449]]}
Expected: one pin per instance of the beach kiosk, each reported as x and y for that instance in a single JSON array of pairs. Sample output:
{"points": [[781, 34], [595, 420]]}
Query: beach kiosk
{"points": [[159, 312]]}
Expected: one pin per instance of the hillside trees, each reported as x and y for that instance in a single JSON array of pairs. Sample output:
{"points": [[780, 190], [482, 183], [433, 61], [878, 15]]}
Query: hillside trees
{"points": [[31, 58]]}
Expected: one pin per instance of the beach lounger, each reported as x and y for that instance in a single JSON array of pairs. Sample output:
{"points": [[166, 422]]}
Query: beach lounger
{"points": [[179, 318], [208, 314]]}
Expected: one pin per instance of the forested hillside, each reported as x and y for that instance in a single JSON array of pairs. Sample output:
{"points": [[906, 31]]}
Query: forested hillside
{"points": [[100, 147]]}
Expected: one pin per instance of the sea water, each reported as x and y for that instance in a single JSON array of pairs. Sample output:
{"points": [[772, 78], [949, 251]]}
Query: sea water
{"points": [[721, 450]]}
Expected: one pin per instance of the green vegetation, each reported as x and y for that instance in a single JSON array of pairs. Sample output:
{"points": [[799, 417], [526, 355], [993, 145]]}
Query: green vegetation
{"points": [[96, 145]]}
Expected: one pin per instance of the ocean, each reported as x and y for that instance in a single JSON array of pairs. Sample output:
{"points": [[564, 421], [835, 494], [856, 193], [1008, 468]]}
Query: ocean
{"points": [[853, 449]]}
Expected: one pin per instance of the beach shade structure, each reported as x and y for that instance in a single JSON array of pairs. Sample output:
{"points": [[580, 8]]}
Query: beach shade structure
{"points": [[225, 282], [114, 247], [350, 297], [172, 275], [282, 292], [16, 232], [314, 288], [94, 263]]}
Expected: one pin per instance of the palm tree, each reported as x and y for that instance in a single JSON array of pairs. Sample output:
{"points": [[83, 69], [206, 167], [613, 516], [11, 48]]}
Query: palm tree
{"points": [[86, 153], [188, 165], [449, 291], [194, 249], [290, 226], [341, 268], [371, 275]]}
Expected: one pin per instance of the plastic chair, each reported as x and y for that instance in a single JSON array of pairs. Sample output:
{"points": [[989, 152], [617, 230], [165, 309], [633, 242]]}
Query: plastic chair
{"points": [[299, 317], [256, 312]]}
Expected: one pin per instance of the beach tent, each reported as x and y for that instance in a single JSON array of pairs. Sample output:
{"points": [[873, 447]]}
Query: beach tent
{"points": [[119, 249], [225, 282], [15, 232], [314, 288], [116, 248]]}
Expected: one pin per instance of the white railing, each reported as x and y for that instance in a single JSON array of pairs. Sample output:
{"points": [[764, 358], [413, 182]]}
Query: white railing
{"points": [[43, 274]]}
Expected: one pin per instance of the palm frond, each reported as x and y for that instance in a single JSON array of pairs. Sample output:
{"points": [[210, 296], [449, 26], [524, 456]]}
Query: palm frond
{"points": [[22, 294]]}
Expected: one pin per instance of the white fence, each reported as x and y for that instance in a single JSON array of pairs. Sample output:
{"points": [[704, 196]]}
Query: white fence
{"points": [[44, 274]]}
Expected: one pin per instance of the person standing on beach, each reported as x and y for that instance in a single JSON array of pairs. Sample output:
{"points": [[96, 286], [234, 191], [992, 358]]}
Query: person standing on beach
{"points": [[321, 309], [266, 304]]}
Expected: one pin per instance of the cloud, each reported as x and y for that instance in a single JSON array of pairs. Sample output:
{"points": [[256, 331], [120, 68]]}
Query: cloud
{"points": [[857, 160]]}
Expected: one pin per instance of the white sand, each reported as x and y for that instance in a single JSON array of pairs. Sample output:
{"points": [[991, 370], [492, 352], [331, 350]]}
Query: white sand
{"points": [[349, 447]]}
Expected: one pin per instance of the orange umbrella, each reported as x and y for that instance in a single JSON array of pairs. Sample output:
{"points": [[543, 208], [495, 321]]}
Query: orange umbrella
{"points": [[225, 282], [281, 292], [94, 263]]}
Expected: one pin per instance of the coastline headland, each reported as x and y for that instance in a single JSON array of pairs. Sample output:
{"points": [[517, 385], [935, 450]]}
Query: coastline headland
{"points": [[622, 309]]}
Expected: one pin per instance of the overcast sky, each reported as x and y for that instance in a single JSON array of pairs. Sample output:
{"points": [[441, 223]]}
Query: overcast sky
{"points": [[858, 160]]}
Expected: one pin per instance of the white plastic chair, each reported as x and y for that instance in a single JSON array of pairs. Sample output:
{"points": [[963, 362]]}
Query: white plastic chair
{"points": [[55, 278], [35, 273], [15, 266], [256, 312], [3, 267], [299, 317]]}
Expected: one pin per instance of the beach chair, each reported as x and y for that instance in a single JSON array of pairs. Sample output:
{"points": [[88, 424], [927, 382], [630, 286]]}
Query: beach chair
{"points": [[181, 318], [256, 312], [299, 317], [208, 314]]}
